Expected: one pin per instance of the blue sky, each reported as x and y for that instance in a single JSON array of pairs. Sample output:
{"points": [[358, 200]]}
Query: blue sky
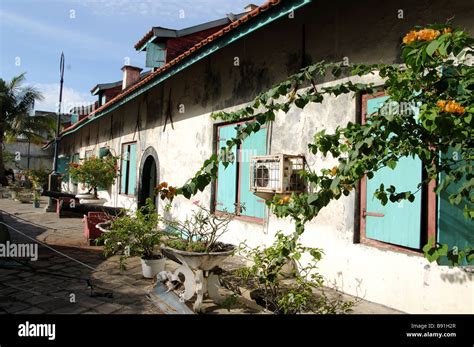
{"points": [[96, 37]]}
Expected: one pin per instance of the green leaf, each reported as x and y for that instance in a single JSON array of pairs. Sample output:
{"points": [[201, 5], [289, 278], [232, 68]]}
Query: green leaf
{"points": [[301, 102], [392, 164], [432, 47]]}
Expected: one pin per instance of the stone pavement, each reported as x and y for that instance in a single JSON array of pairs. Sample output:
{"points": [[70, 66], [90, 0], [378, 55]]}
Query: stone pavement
{"points": [[57, 284]]}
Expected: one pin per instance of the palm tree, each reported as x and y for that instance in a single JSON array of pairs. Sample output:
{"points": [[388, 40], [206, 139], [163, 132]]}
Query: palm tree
{"points": [[16, 102]]}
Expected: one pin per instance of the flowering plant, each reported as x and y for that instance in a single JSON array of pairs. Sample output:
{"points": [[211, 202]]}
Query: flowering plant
{"points": [[134, 235], [200, 232], [165, 191], [38, 177], [95, 173]]}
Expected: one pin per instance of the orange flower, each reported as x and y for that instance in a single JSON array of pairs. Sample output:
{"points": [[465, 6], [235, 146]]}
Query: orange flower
{"points": [[172, 190], [286, 199], [428, 34], [163, 185], [280, 202], [441, 103], [422, 35], [452, 107], [333, 171], [410, 37], [447, 30]]}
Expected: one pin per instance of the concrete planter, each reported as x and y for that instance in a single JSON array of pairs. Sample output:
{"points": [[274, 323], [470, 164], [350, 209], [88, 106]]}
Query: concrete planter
{"points": [[89, 199], [200, 261]]}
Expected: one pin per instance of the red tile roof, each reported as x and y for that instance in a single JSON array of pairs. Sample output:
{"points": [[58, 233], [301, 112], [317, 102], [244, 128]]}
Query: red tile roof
{"points": [[151, 76], [144, 39]]}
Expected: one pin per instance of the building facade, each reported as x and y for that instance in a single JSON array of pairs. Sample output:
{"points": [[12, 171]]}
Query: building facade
{"points": [[162, 129]]}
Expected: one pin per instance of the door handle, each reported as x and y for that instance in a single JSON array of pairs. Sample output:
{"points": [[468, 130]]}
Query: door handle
{"points": [[371, 214]]}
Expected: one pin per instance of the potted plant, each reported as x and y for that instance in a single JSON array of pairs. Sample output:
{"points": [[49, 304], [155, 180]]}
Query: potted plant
{"points": [[136, 235], [36, 200], [15, 188], [94, 174], [38, 177], [196, 240]]}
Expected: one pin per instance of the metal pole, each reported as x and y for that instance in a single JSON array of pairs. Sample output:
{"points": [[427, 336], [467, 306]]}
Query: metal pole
{"points": [[58, 117], [53, 182], [28, 163]]}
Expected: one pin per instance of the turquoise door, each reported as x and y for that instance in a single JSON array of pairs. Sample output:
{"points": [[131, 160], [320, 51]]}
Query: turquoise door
{"points": [[132, 171], [453, 228], [124, 170], [227, 177], [254, 145], [395, 223]]}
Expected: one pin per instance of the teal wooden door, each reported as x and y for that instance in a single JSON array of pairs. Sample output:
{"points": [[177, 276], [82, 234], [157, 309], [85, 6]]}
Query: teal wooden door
{"points": [[395, 223], [453, 228], [227, 177], [132, 171], [254, 145], [124, 169], [63, 163]]}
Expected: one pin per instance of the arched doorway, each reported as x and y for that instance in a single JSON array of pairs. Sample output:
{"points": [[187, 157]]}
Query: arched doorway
{"points": [[148, 176]]}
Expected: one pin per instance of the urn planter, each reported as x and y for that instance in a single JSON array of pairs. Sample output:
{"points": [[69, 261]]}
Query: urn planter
{"points": [[199, 273]]}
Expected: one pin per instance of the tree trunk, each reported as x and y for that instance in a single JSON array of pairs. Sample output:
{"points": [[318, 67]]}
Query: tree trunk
{"points": [[3, 177]]}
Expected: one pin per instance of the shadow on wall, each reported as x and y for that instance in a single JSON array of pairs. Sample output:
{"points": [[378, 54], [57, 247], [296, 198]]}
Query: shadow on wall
{"points": [[338, 285], [459, 277]]}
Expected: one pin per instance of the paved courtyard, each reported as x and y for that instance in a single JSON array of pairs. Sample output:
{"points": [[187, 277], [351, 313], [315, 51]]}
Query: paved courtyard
{"points": [[76, 278], [58, 283]]}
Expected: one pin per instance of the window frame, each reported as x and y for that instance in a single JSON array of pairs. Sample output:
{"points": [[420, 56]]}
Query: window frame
{"points": [[238, 181], [428, 204], [127, 179], [89, 152]]}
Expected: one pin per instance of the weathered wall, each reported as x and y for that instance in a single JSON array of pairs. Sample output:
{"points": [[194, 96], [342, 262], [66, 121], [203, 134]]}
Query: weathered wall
{"points": [[39, 158], [364, 32]]}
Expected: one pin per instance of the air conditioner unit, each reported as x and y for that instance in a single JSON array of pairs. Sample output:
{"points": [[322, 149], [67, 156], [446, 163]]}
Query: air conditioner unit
{"points": [[276, 174]]}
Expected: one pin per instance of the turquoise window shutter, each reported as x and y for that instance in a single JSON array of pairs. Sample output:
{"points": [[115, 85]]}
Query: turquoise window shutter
{"points": [[132, 181], [395, 223], [63, 167], [254, 145], [155, 54], [103, 152], [124, 169], [226, 195], [453, 228]]}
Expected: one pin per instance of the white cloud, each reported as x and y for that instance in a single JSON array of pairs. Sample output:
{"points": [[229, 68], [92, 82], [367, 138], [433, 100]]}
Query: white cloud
{"points": [[71, 98], [168, 8]]}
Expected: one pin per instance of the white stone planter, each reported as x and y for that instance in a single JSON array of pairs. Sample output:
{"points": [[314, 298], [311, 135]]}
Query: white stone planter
{"points": [[151, 267], [198, 276], [89, 199], [201, 261]]}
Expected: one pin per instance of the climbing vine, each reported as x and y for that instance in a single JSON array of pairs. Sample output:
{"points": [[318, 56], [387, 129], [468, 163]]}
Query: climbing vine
{"points": [[428, 114]]}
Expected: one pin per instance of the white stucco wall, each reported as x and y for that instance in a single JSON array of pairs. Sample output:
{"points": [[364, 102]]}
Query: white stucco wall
{"points": [[403, 281]]}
